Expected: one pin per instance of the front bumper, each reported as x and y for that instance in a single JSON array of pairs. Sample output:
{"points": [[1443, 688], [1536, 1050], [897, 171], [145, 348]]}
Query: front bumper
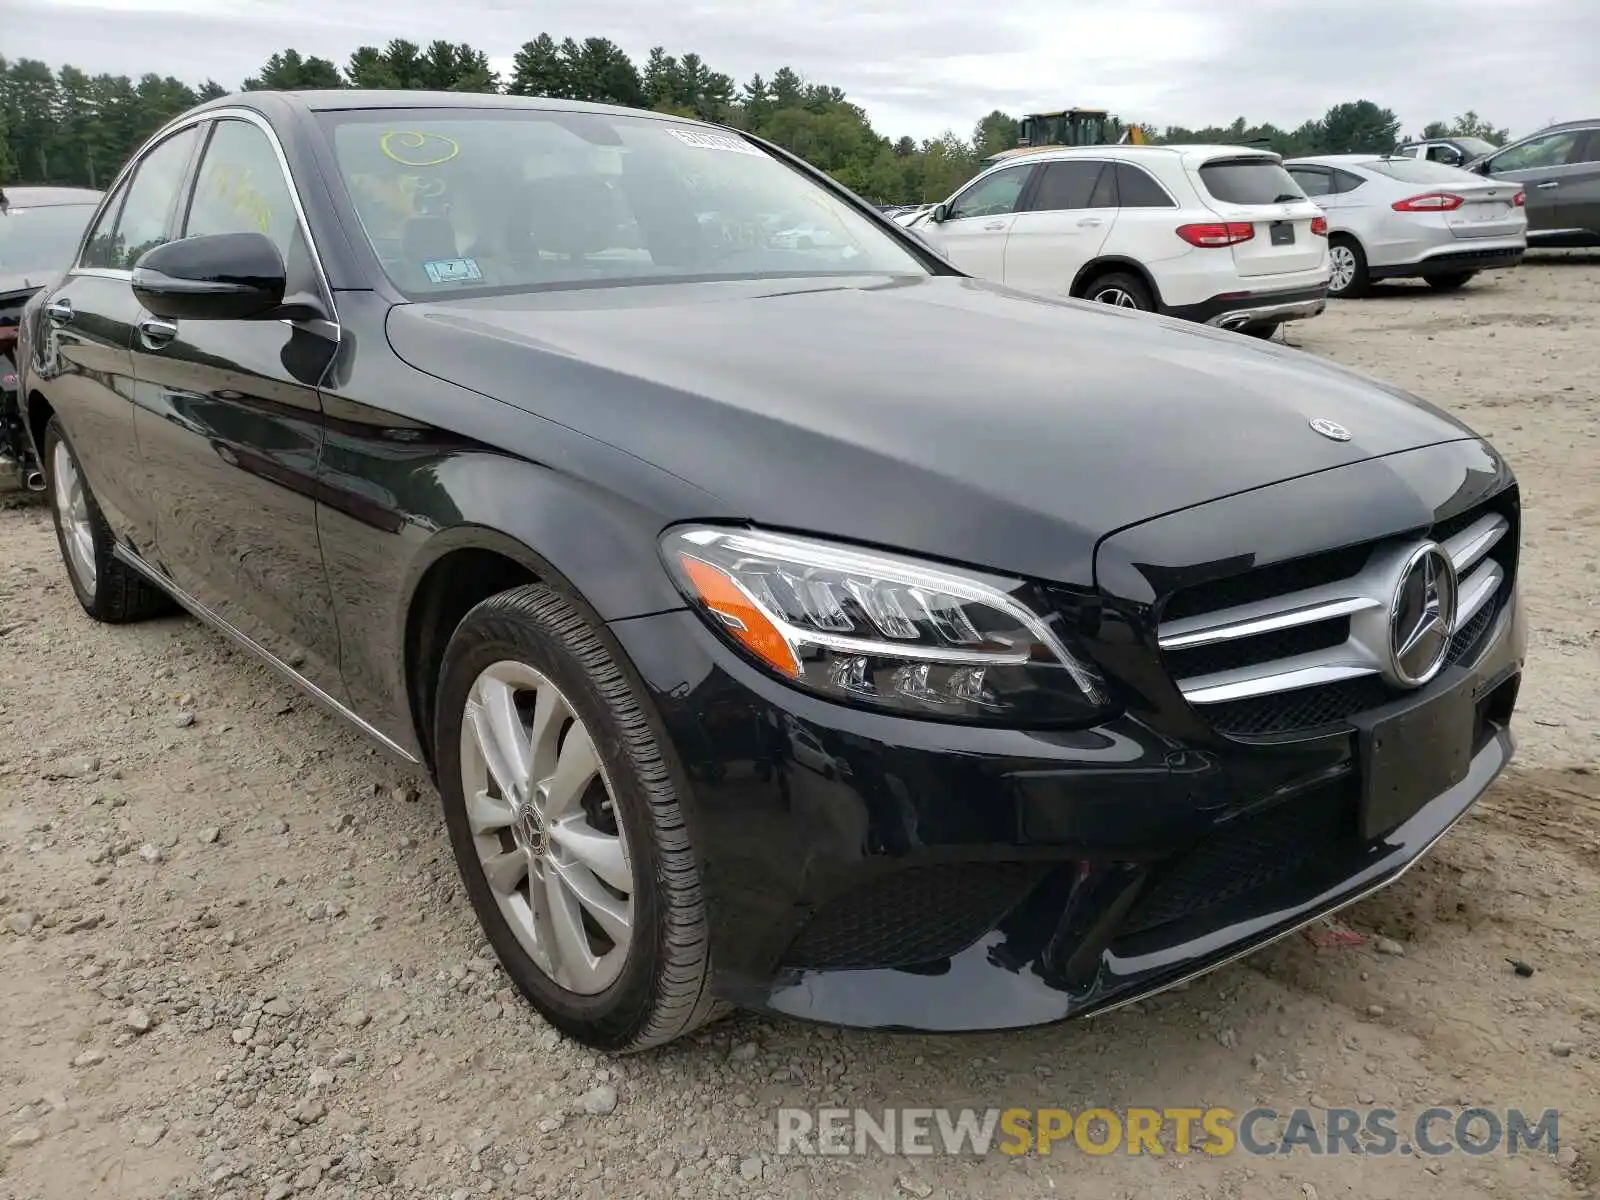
{"points": [[871, 871], [1231, 310]]}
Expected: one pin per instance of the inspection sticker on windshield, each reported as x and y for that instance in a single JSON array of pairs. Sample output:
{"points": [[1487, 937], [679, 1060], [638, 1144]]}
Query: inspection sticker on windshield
{"points": [[453, 270], [706, 140]]}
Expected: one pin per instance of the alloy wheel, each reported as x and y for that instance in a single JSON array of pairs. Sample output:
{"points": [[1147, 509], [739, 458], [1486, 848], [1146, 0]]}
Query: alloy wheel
{"points": [[72, 503], [1116, 297], [546, 827], [1342, 261]]}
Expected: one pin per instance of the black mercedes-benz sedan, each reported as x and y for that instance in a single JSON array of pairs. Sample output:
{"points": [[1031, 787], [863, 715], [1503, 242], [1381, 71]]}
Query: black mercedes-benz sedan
{"points": [[803, 627]]}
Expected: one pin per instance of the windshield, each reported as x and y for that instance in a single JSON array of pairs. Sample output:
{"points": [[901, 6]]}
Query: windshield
{"points": [[457, 201], [1476, 147], [1414, 170], [40, 240], [1250, 181]]}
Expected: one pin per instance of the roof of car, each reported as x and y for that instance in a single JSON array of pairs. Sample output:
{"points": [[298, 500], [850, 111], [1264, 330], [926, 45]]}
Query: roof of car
{"points": [[1560, 126], [1190, 153], [338, 99], [1341, 159], [27, 196]]}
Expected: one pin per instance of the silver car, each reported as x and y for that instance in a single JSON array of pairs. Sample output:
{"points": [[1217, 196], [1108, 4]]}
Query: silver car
{"points": [[1393, 217]]}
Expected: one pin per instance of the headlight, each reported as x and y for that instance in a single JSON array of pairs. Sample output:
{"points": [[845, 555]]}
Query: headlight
{"points": [[878, 629]]}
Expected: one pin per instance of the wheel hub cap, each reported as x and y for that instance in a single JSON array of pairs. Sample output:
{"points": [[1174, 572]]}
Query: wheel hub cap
{"points": [[544, 822], [1344, 268]]}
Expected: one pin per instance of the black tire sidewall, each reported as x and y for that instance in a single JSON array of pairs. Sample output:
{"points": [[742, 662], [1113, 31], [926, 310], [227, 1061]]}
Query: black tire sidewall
{"points": [[613, 1018], [103, 559]]}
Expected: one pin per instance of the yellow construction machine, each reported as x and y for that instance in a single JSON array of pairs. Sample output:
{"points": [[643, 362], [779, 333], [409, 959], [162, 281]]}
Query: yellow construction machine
{"points": [[1069, 127]]}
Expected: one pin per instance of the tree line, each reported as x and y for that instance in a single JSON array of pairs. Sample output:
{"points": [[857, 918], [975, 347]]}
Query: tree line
{"points": [[64, 126]]}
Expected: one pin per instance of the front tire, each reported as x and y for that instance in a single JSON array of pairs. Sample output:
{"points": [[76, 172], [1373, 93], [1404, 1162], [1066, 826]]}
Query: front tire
{"points": [[567, 827], [1348, 277], [108, 589], [1121, 290], [1450, 281]]}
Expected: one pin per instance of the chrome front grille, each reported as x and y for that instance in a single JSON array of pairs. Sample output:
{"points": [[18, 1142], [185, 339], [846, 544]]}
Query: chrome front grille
{"points": [[1304, 645]]}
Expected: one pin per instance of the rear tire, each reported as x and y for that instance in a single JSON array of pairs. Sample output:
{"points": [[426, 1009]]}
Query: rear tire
{"points": [[1121, 289], [1261, 329], [591, 807], [1349, 278], [108, 589], [1449, 282]]}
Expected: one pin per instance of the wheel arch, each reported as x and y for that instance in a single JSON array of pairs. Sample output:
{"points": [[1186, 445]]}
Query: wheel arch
{"points": [[523, 525], [1108, 264]]}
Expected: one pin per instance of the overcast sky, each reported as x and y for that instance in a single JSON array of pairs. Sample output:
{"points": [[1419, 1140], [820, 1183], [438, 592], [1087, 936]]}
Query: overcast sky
{"points": [[921, 66]]}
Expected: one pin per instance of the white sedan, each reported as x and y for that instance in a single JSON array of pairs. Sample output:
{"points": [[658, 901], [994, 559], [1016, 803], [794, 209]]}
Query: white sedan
{"points": [[1393, 217]]}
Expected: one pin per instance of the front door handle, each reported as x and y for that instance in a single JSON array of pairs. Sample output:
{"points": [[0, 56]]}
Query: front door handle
{"points": [[993, 225], [156, 332], [59, 312], [1548, 184], [1089, 222]]}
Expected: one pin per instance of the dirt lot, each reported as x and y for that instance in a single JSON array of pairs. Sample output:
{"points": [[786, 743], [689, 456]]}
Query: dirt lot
{"points": [[234, 960]]}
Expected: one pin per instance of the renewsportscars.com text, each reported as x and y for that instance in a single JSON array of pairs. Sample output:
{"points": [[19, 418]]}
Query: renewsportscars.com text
{"points": [[1160, 1131]]}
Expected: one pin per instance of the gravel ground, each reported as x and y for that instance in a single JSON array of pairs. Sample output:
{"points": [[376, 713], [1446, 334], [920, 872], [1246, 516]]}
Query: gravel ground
{"points": [[235, 961]]}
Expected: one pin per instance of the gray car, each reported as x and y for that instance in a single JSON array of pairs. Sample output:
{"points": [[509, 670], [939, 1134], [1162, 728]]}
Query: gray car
{"points": [[1560, 168], [1394, 217]]}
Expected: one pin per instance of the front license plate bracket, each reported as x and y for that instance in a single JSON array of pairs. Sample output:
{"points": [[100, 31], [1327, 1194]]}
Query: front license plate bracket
{"points": [[1411, 756]]}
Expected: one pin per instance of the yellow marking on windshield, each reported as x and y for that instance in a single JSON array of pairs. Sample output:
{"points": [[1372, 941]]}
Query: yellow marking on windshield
{"points": [[413, 148]]}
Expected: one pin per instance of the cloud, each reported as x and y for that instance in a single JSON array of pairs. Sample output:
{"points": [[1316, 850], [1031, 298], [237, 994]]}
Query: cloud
{"points": [[920, 68]]}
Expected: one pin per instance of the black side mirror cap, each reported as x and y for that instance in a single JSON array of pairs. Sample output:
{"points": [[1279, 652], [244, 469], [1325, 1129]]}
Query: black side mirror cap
{"points": [[212, 277]]}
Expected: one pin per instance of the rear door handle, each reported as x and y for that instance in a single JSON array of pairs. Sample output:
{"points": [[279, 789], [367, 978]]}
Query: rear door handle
{"points": [[59, 312], [1548, 184], [155, 332]]}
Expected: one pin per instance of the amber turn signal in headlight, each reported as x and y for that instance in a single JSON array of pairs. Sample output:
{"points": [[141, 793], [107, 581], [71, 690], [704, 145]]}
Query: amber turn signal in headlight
{"points": [[883, 630]]}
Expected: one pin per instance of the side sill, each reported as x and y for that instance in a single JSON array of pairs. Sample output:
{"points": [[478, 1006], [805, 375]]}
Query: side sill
{"points": [[245, 642]]}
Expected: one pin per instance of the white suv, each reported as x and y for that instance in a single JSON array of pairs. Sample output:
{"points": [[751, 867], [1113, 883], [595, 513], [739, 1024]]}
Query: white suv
{"points": [[1220, 234]]}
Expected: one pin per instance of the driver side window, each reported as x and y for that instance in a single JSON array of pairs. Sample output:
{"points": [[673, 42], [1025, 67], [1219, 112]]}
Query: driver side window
{"points": [[1552, 150], [993, 196]]}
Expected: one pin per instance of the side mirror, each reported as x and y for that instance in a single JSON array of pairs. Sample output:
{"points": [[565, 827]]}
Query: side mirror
{"points": [[213, 277], [940, 214]]}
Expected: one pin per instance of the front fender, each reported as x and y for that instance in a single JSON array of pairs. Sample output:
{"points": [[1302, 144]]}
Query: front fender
{"points": [[400, 501]]}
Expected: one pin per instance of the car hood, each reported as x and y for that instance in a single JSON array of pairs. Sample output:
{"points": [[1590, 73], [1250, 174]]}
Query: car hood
{"points": [[939, 415]]}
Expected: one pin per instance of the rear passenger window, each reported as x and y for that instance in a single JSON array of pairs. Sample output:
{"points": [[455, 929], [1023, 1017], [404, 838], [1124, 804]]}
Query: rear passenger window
{"points": [[101, 248], [1135, 189], [143, 223], [1066, 185], [1313, 183], [1346, 181]]}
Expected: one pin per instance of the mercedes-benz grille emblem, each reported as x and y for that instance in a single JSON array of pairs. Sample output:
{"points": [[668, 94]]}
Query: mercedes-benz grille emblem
{"points": [[1422, 615], [1330, 429]]}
